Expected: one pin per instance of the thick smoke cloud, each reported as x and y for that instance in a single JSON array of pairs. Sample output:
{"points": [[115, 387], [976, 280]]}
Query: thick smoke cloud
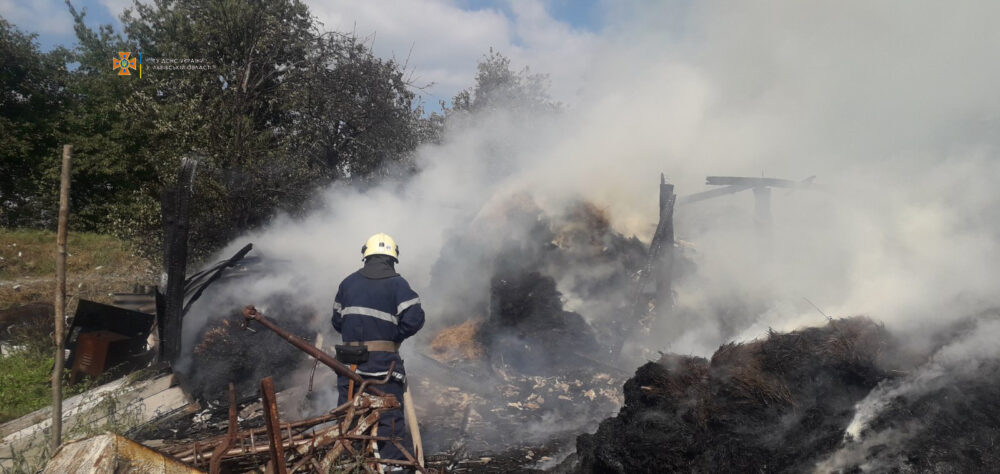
{"points": [[893, 106]]}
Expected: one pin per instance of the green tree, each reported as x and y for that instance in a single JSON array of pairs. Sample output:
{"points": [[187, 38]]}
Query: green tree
{"points": [[273, 109], [114, 177], [32, 100], [499, 87]]}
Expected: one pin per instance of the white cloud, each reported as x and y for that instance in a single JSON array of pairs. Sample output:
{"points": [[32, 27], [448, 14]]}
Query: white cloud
{"points": [[115, 7], [45, 17], [448, 41]]}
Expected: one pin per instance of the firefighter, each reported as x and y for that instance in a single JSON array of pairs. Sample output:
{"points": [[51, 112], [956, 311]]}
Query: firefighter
{"points": [[374, 311]]}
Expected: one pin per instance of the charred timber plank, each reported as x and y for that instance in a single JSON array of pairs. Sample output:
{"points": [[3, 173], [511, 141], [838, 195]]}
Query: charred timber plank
{"points": [[711, 194], [239, 453], [215, 275], [663, 249], [176, 205], [751, 182], [276, 447]]}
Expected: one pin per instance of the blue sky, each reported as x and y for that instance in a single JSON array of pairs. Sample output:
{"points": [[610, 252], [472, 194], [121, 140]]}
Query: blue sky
{"points": [[441, 39], [50, 19]]}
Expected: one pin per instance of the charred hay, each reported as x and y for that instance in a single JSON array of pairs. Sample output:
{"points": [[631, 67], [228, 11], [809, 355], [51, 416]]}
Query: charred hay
{"points": [[773, 405], [26, 323], [950, 429], [229, 351], [939, 416]]}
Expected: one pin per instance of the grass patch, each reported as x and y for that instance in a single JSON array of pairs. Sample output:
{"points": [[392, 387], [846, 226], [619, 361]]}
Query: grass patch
{"points": [[97, 266], [32, 253], [25, 384]]}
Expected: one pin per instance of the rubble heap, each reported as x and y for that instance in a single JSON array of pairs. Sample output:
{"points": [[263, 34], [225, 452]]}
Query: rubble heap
{"points": [[773, 405]]}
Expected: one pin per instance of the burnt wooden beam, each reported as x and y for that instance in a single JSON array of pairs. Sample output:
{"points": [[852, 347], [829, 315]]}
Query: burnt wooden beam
{"points": [[658, 265], [176, 223], [662, 247], [711, 194], [751, 182]]}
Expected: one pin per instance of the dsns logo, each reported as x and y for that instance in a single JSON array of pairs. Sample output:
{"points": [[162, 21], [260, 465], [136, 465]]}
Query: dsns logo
{"points": [[123, 63]]}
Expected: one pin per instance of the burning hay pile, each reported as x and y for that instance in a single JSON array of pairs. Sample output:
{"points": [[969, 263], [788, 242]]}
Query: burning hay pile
{"points": [[527, 364], [514, 249], [821, 399], [542, 385], [766, 406], [229, 350], [528, 328]]}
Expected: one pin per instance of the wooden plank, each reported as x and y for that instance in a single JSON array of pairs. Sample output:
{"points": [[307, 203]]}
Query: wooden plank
{"points": [[751, 182], [75, 406]]}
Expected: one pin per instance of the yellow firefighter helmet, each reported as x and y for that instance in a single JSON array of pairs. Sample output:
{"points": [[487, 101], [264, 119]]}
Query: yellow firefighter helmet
{"points": [[380, 244]]}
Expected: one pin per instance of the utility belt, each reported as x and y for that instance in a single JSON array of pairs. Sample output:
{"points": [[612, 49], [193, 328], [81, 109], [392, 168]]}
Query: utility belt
{"points": [[356, 353]]}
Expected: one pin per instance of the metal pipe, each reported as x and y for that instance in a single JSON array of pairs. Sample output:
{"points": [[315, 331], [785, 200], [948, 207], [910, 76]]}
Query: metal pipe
{"points": [[251, 313], [216, 462]]}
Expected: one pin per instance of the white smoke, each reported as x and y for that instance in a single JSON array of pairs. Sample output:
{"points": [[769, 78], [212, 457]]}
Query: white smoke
{"points": [[892, 105]]}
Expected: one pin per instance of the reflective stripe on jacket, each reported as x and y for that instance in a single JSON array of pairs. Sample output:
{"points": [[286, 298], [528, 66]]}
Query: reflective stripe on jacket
{"points": [[384, 309]]}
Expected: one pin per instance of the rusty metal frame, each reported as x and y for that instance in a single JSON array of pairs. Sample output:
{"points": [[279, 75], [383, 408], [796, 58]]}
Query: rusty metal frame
{"points": [[346, 434]]}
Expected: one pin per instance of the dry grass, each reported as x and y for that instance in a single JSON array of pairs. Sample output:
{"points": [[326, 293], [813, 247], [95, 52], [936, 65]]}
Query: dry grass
{"points": [[458, 343], [856, 340], [742, 366], [96, 266]]}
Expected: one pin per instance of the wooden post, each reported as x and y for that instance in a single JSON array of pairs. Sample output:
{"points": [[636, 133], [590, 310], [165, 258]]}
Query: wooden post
{"points": [[659, 265], [60, 304], [665, 256], [269, 403]]}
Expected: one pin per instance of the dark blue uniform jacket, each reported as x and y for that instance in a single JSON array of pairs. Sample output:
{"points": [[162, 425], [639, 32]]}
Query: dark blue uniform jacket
{"points": [[381, 309]]}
